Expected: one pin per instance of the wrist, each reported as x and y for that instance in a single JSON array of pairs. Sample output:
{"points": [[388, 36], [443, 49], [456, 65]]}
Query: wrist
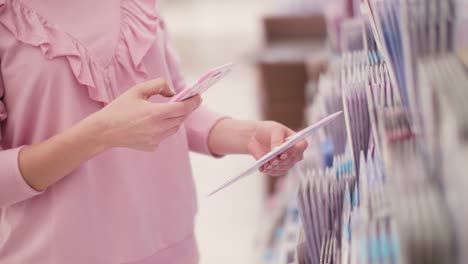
{"points": [[232, 136], [249, 130], [91, 133]]}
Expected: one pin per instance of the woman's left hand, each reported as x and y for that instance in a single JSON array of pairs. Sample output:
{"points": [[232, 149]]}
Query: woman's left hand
{"points": [[269, 135]]}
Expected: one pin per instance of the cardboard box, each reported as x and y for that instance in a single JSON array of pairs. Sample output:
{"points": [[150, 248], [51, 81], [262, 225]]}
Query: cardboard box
{"points": [[304, 27], [291, 115], [283, 80], [283, 88], [282, 68]]}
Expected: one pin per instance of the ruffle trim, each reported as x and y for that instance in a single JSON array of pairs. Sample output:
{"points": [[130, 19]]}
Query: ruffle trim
{"points": [[139, 25]]}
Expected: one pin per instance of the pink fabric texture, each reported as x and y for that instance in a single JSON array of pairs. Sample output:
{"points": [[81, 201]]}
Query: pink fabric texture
{"points": [[60, 61]]}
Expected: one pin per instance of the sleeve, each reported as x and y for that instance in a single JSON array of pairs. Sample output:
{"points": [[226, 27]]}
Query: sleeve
{"points": [[200, 123], [13, 187]]}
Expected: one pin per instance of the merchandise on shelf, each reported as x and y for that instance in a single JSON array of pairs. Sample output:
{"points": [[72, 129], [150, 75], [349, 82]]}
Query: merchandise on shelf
{"points": [[389, 186]]}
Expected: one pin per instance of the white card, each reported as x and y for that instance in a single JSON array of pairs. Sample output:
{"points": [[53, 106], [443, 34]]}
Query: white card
{"points": [[290, 142]]}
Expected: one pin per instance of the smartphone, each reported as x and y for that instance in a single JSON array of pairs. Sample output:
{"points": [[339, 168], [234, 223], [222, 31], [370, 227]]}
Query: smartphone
{"points": [[207, 80]]}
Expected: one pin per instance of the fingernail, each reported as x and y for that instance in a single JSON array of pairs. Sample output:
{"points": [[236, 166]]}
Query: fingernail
{"points": [[275, 163], [269, 167], [284, 156]]}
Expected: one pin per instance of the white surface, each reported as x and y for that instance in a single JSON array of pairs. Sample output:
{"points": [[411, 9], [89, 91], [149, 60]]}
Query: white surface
{"points": [[207, 34]]}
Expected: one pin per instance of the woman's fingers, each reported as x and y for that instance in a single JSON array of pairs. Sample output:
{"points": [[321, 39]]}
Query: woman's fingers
{"points": [[257, 152], [275, 162], [275, 173], [173, 122], [297, 150], [170, 132], [277, 137], [280, 167], [150, 88], [285, 161], [301, 146], [179, 109], [289, 162]]}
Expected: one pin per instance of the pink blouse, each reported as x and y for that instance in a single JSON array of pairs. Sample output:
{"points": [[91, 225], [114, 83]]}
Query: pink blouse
{"points": [[60, 61]]}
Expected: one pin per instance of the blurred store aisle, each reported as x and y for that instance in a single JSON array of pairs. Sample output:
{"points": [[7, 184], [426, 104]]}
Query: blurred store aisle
{"points": [[208, 34]]}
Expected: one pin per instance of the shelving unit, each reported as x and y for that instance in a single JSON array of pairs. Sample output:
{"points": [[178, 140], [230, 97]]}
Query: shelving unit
{"points": [[393, 168]]}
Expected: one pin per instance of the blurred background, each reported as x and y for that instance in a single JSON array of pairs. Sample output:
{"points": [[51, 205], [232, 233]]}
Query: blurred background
{"points": [[281, 48], [209, 33]]}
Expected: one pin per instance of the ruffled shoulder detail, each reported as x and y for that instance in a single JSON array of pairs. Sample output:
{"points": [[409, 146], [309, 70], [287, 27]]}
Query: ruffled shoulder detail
{"points": [[139, 25]]}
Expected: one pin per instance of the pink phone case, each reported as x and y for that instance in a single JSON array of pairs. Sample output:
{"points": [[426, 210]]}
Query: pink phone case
{"points": [[204, 83]]}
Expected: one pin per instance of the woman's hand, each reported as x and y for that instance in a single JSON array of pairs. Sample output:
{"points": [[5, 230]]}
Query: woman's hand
{"points": [[269, 135], [131, 121], [231, 136]]}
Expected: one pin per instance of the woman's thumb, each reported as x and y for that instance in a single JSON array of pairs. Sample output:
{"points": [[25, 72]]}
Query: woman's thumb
{"points": [[154, 87], [277, 138]]}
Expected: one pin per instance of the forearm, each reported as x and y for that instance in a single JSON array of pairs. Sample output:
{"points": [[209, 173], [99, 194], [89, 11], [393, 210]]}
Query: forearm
{"points": [[44, 164], [231, 136]]}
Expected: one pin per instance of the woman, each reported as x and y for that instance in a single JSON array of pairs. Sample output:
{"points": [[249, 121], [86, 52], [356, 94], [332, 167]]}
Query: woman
{"points": [[94, 163]]}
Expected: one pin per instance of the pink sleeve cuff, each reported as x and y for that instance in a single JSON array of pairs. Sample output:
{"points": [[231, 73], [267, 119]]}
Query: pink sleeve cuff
{"points": [[13, 187], [199, 125]]}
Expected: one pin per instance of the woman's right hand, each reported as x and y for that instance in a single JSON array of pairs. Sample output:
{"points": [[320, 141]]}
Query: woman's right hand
{"points": [[132, 121]]}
